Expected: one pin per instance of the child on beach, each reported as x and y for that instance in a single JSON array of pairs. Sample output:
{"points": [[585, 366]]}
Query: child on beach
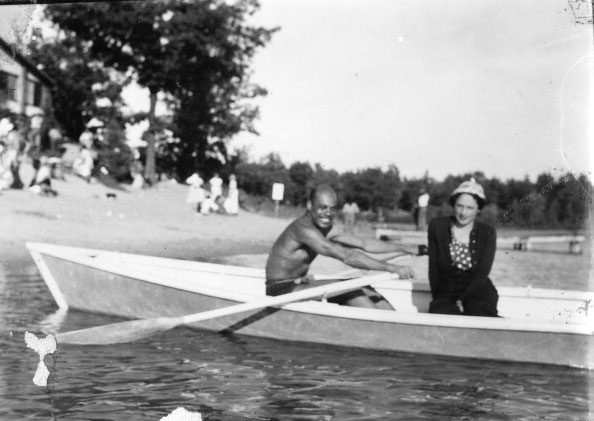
{"points": [[216, 186], [208, 205], [43, 182], [84, 164], [196, 194]]}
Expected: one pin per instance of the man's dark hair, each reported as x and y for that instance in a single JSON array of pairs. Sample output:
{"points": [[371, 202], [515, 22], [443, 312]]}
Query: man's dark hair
{"points": [[318, 189]]}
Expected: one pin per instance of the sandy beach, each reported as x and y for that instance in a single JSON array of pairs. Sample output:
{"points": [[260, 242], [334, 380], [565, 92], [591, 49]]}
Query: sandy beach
{"points": [[159, 222], [155, 221]]}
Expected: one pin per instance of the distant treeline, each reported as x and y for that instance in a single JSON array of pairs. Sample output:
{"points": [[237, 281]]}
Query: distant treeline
{"points": [[550, 202]]}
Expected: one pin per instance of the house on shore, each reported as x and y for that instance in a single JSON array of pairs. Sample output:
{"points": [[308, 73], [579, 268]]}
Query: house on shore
{"points": [[24, 89]]}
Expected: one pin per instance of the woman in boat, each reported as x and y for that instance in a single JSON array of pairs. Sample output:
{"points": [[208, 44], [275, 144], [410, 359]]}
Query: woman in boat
{"points": [[461, 253]]}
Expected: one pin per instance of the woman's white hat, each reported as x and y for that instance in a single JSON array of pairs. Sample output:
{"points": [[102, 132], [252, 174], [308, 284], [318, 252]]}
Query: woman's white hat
{"points": [[470, 187]]}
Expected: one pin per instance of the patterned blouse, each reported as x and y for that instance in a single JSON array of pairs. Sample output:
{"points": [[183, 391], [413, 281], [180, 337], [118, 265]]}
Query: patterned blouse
{"points": [[460, 253]]}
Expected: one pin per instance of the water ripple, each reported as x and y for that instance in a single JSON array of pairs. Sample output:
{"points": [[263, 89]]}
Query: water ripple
{"points": [[238, 378]]}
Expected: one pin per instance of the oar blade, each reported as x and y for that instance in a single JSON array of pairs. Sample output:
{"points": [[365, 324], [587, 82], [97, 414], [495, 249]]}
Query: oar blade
{"points": [[116, 333]]}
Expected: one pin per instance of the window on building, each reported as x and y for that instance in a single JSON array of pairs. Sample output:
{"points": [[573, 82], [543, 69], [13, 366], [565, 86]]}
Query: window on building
{"points": [[34, 93], [37, 93], [8, 84]]}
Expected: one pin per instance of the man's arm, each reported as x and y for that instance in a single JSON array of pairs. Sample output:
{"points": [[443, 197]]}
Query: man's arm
{"points": [[373, 246], [349, 255]]}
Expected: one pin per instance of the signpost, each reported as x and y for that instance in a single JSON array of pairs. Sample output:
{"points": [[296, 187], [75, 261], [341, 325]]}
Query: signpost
{"points": [[278, 192]]}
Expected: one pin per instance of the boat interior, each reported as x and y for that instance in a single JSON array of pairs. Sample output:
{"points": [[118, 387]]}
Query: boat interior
{"points": [[244, 283]]}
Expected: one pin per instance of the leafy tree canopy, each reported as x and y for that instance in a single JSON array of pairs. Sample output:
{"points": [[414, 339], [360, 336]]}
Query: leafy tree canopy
{"points": [[80, 81], [197, 52], [550, 202]]}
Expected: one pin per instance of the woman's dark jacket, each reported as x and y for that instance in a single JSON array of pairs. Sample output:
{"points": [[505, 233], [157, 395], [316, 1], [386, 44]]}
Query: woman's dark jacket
{"points": [[448, 281]]}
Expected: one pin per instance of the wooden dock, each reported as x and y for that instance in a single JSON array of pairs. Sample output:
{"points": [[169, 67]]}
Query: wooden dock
{"points": [[542, 242], [522, 243]]}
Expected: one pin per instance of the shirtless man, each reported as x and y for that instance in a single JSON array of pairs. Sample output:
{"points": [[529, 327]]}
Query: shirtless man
{"points": [[307, 236]]}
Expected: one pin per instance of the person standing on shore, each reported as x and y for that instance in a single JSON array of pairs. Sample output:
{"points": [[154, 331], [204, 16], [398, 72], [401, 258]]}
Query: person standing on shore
{"points": [[33, 147], [232, 201], [216, 187], [137, 171], [196, 193], [83, 165], [350, 210], [422, 204], [307, 236], [15, 143]]}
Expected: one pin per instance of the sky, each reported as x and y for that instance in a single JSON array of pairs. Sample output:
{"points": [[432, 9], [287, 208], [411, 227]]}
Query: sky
{"points": [[443, 87]]}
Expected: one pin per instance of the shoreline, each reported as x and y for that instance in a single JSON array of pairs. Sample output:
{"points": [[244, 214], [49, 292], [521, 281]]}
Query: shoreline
{"points": [[159, 222], [155, 221]]}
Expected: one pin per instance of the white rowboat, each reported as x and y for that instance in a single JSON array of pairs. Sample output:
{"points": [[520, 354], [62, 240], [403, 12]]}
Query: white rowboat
{"points": [[538, 325]]}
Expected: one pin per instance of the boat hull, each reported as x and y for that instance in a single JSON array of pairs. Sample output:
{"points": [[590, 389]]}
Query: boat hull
{"points": [[92, 289]]}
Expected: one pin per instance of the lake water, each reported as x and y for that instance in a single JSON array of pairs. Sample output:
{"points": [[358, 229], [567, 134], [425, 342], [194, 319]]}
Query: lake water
{"points": [[239, 378]]}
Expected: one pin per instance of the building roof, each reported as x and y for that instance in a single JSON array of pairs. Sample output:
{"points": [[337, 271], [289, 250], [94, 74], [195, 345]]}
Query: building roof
{"points": [[25, 62]]}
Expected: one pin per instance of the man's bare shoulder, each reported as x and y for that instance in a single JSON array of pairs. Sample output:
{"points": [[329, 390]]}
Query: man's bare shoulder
{"points": [[301, 226], [304, 230]]}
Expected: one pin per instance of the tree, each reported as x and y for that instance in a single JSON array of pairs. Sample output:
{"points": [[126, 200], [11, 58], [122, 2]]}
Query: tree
{"points": [[568, 201], [322, 175], [300, 174], [195, 52], [258, 178], [373, 188], [80, 82], [113, 154]]}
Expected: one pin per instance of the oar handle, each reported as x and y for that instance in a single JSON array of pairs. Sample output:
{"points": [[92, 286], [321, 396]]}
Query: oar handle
{"points": [[331, 289]]}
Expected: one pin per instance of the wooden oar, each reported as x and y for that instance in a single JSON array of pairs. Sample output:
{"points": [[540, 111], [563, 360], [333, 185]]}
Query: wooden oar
{"points": [[138, 329]]}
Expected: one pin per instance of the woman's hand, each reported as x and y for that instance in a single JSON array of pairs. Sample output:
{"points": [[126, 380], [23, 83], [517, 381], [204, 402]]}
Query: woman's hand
{"points": [[460, 306]]}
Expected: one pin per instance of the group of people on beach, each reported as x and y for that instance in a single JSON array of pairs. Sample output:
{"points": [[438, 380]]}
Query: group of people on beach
{"points": [[461, 252], [22, 140], [42, 145], [206, 200]]}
